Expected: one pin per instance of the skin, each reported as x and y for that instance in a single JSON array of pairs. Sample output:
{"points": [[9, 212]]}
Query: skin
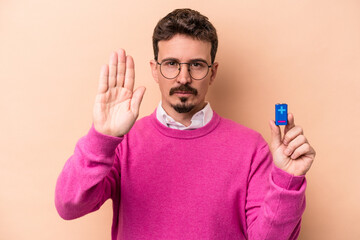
{"points": [[184, 49], [117, 104], [292, 152]]}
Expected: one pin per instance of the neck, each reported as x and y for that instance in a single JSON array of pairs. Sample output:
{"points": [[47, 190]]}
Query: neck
{"points": [[183, 118]]}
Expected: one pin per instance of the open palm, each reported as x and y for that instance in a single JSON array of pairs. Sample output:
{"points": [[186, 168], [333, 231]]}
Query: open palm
{"points": [[116, 105]]}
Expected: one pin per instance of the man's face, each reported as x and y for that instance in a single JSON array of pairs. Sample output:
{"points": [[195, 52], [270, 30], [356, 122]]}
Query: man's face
{"points": [[183, 94]]}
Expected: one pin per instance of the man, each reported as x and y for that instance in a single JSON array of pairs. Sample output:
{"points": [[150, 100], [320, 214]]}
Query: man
{"points": [[183, 172]]}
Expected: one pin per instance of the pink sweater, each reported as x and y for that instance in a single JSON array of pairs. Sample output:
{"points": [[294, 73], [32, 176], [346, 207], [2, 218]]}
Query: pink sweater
{"points": [[215, 182]]}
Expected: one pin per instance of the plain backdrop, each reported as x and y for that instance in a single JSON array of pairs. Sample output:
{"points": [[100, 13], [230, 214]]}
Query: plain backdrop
{"points": [[302, 52]]}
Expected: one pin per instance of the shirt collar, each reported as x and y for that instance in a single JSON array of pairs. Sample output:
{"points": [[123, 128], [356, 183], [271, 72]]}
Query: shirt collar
{"points": [[200, 119]]}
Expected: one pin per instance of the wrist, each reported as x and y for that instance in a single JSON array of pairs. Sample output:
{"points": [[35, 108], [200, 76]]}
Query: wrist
{"points": [[106, 132], [102, 142], [286, 180]]}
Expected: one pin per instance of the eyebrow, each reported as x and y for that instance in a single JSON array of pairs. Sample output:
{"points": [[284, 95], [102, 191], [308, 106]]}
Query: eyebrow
{"points": [[191, 60]]}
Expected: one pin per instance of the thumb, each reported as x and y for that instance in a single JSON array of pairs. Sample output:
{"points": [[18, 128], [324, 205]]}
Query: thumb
{"points": [[275, 135], [136, 100]]}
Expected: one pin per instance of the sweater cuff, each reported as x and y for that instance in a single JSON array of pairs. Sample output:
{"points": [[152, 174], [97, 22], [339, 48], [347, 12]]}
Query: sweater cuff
{"points": [[286, 180], [100, 143]]}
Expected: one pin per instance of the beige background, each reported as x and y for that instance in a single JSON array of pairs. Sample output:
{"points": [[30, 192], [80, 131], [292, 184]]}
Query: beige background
{"points": [[302, 52]]}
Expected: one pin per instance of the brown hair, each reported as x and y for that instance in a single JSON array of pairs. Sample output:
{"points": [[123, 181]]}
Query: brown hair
{"points": [[185, 21]]}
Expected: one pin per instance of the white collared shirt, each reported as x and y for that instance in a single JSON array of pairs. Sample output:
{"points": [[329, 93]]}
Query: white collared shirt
{"points": [[200, 119]]}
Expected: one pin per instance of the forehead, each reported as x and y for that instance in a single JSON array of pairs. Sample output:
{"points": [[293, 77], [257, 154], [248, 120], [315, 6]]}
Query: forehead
{"points": [[184, 48]]}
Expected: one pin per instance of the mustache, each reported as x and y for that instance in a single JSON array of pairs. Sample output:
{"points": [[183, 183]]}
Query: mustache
{"points": [[183, 88]]}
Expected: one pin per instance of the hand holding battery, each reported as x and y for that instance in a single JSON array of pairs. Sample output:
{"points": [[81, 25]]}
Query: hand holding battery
{"points": [[291, 150]]}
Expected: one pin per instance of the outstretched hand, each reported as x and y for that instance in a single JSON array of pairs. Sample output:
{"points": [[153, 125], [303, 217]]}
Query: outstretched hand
{"points": [[292, 153], [116, 105]]}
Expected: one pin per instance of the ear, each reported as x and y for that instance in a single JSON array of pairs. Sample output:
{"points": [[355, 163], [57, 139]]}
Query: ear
{"points": [[213, 69], [154, 71]]}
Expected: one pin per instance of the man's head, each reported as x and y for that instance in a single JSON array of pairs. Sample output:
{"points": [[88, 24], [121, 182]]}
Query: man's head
{"points": [[187, 22], [185, 45]]}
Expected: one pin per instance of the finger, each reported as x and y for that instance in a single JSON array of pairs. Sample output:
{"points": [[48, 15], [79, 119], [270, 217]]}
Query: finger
{"points": [[294, 144], [304, 149], [103, 82], [129, 74], [291, 123], [136, 100], [112, 69], [292, 134], [121, 68], [275, 135]]}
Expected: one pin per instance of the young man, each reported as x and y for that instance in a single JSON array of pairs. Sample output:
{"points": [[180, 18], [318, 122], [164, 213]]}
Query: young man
{"points": [[183, 172]]}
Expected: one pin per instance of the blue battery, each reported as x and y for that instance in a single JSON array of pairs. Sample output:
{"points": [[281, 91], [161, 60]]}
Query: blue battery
{"points": [[281, 113]]}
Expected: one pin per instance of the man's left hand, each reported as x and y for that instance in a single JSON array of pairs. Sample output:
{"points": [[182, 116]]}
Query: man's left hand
{"points": [[292, 153]]}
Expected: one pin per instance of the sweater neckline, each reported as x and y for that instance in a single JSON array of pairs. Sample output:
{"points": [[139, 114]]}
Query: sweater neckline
{"points": [[186, 134]]}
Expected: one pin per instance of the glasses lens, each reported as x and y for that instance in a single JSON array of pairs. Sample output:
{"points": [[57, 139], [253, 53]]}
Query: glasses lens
{"points": [[199, 70], [169, 68]]}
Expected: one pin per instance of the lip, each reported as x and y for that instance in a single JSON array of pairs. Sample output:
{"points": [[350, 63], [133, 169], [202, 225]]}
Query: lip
{"points": [[183, 93]]}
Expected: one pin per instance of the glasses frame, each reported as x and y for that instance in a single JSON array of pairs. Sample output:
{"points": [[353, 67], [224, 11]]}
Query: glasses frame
{"points": [[209, 66]]}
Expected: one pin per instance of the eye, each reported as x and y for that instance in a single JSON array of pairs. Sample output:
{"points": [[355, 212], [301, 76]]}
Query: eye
{"points": [[198, 65], [170, 63]]}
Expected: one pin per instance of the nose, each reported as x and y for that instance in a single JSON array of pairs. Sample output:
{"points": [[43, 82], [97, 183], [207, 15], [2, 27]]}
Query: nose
{"points": [[184, 75]]}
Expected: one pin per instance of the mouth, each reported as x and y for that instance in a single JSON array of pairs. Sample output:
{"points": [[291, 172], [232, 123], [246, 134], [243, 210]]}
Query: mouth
{"points": [[183, 93]]}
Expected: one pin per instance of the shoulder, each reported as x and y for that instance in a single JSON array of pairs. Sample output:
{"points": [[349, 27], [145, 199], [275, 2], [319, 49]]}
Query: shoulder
{"points": [[143, 124], [230, 125], [144, 121], [141, 130], [241, 133]]}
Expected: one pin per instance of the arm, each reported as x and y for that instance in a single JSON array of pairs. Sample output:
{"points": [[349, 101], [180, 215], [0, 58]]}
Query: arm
{"points": [[275, 200], [276, 194], [92, 174]]}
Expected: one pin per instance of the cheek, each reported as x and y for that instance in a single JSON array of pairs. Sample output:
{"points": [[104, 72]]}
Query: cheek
{"points": [[202, 90], [164, 87]]}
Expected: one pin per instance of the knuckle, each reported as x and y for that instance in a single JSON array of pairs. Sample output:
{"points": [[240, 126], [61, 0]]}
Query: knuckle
{"points": [[313, 151], [287, 139], [295, 155], [302, 139], [300, 129], [307, 147], [291, 146]]}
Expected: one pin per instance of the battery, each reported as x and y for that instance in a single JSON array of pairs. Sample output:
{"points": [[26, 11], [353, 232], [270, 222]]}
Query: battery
{"points": [[281, 114]]}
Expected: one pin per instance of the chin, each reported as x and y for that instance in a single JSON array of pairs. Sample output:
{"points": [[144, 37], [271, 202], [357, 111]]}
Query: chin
{"points": [[183, 107], [184, 104]]}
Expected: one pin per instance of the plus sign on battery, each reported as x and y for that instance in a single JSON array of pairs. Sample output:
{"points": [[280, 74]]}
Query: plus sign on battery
{"points": [[282, 110]]}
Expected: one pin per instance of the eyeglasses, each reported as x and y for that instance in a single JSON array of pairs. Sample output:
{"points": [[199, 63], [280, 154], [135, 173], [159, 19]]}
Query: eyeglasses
{"points": [[170, 69]]}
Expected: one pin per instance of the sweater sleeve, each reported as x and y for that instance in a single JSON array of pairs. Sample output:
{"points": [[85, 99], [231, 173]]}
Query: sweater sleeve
{"points": [[275, 200], [90, 176]]}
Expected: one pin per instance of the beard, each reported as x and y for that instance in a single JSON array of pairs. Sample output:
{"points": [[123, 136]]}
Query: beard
{"points": [[183, 107]]}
